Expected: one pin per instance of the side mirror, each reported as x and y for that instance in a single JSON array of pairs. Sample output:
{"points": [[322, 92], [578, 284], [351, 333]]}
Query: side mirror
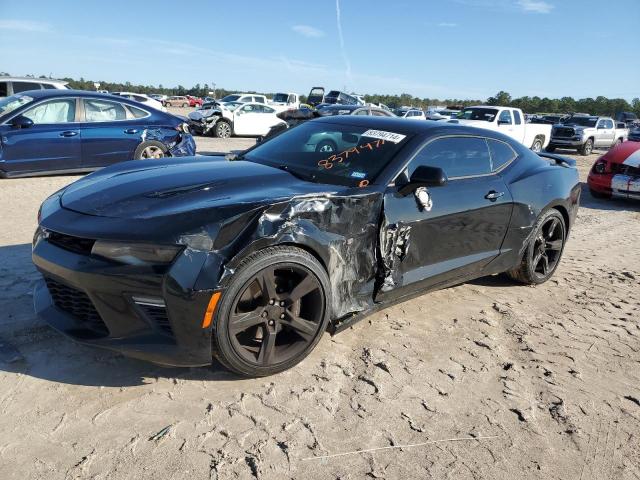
{"points": [[424, 176], [601, 127], [504, 122], [21, 122]]}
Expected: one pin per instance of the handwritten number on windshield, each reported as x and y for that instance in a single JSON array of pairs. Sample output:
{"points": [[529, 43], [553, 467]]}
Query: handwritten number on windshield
{"points": [[327, 163]]}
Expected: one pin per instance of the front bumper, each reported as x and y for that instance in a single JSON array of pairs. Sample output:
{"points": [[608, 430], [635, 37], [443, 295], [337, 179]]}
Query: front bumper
{"points": [[616, 185], [146, 312], [566, 142]]}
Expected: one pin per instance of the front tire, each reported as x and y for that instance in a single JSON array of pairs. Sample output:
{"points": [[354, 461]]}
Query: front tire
{"points": [[222, 129], [149, 150], [543, 251], [587, 148], [273, 313]]}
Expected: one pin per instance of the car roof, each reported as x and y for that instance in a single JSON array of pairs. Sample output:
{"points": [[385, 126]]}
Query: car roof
{"points": [[32, 79], [411, 127], [44, 94]]}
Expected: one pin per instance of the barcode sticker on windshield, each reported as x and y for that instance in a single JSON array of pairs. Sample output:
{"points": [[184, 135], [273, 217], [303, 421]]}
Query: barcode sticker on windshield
{"points": [[382, 135]]}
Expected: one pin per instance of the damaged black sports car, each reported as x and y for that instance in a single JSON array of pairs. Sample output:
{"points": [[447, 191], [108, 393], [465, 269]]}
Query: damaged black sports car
{"points": [[250, 261]]}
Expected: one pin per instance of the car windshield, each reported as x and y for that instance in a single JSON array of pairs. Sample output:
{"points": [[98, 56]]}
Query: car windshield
{"points": [[281, 97], [230, 98], [581, 121], [231, 105], [483, 114], [330, 153], [9, 104]]}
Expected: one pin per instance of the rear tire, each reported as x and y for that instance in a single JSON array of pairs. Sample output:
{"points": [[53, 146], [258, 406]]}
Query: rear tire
{"points": [[587, 148], [150, 150], [616, 143], [253, 335], [537, 145], [543, 251]]}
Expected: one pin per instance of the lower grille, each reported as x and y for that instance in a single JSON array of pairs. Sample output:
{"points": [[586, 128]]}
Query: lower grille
{"points": [[71, 243], [155, 311], [622, 169], [78, 304]]}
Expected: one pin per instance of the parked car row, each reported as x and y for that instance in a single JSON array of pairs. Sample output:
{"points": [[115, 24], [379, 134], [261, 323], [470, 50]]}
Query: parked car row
{"points": [[60, 130]]}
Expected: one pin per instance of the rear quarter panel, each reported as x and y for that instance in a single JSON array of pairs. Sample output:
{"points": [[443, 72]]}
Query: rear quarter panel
{"points": [[536, 185]]}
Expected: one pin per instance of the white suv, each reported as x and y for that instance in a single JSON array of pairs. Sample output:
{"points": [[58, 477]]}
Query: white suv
{"points": [[12, 85], [244, 98]]}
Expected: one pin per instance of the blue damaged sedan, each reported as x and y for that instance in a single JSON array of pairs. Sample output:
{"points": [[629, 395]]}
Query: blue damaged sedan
{"points": [[70, 131]]}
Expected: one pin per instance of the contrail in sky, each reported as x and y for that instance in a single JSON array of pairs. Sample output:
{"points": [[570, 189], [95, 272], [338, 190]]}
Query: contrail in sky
{"points": [[347, 63]]}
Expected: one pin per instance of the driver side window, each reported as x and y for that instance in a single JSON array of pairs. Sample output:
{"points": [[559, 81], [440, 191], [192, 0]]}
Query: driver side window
{"points": [[457, 156]]}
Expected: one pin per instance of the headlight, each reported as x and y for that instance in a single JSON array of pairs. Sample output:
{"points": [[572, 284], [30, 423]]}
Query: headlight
{"points": [[579, 132], [600, 166], [136, 253]]}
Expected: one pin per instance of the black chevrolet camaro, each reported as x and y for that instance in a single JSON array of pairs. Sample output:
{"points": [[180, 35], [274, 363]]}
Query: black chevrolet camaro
{"points": [[251, 260]]}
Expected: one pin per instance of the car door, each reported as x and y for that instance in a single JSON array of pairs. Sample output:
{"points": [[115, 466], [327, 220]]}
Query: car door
{"points": [[266, 118], [460, 233], [110, 134], [505, 124], [518, 126], [51, 143], [247, 120]]}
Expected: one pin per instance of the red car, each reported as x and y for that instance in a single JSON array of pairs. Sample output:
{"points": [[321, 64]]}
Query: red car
{"points": [[617, 172], [194, 101]]}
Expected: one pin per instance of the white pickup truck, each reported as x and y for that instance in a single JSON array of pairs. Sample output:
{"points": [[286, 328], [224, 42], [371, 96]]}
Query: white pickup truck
{"points": [[509, 121], [285, 101]]}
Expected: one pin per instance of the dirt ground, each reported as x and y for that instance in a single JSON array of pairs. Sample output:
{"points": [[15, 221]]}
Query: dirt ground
{"points": [[530, 382]]}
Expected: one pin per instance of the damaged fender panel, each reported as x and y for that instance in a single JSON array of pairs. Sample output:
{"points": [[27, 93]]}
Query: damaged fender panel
{"points": [[342, 231]]}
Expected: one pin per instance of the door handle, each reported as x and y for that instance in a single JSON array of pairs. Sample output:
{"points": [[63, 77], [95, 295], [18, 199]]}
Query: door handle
{"points": [[131, 131], [69, 133], [493, 195]]}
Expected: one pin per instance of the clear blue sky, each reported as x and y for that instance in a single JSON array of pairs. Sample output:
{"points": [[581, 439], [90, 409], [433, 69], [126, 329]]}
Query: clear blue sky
{"points": [[436, 48]]}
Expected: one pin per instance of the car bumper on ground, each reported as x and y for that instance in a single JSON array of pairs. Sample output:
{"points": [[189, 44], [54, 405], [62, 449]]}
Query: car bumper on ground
{"points": [[143, 312]]}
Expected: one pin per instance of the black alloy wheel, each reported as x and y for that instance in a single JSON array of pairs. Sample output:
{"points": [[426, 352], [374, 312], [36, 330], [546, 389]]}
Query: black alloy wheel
{"points": [[543, 253], [275, 312]]}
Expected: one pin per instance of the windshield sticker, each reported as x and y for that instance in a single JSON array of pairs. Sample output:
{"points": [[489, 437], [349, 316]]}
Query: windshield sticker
{"points": [[382, 135], [342, 156], [358, 174]]}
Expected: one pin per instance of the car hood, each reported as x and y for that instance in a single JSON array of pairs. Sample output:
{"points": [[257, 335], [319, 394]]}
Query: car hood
{"points": [[146, 189]]}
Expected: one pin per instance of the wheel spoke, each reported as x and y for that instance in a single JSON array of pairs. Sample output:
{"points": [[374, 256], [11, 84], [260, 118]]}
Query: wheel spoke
{"points": [[545, 264], [536, 261], [554, 245], [239, 322], [265, 356], [304, 328], [306, 286], [552, 227], [267, 280]]}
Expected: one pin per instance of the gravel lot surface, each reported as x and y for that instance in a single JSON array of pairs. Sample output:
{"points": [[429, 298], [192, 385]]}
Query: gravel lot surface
{"points": [[546, 379]]}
